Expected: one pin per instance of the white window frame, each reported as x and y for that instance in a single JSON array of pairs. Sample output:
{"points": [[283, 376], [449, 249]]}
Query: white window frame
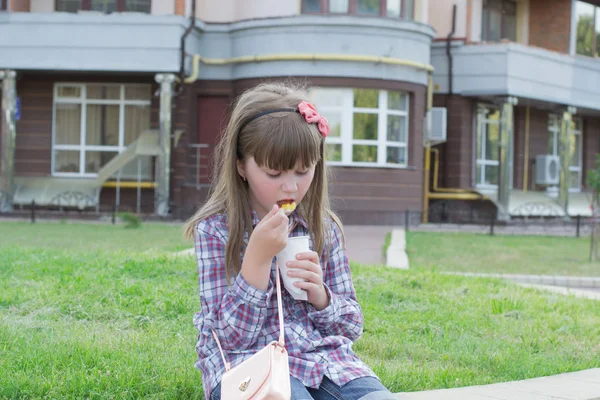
{"points": [[481, 123], [346, 138], [554, 125], [83, 101]]}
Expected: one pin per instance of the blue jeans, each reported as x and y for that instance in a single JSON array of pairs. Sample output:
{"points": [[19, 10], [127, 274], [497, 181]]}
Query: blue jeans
{"points": [[368, 388]]}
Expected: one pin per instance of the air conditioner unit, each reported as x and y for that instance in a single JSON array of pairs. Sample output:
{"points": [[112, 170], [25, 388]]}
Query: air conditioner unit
{"points": [[436, 124], [547, 169]]}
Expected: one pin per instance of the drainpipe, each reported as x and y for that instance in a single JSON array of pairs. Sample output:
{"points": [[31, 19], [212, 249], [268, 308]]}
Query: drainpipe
{"points": [[182, 45], [449, 52], [565, 158], [163, 159], [7, 139]]}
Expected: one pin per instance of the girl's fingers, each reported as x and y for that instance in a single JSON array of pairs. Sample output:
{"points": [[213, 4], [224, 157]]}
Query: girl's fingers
{"points": [[304, 264], [308, 255], [306, 273]]}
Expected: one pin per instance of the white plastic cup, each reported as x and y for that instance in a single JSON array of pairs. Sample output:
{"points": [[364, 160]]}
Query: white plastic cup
{"points": [[295, 245]]}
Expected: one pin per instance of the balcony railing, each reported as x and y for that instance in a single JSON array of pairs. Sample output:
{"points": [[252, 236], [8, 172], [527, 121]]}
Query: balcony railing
{"points": [[198, 165]]}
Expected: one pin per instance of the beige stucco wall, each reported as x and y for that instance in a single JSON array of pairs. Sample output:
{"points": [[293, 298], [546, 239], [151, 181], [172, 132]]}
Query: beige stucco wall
{"points": [[440, 17]]}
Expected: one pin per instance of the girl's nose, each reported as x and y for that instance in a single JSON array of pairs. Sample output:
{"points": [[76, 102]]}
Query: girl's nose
{"points": [[289, 185]]}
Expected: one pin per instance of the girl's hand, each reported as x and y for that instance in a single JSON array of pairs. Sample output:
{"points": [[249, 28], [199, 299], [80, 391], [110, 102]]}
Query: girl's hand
{"points": [[269, 237], [307, 267]]}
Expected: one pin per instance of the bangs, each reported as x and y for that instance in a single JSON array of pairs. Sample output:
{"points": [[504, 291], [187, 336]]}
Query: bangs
{"points": [[282, 142]]}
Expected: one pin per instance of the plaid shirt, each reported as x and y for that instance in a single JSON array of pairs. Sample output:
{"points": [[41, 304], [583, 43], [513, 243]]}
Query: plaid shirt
{"points": [[245, 318]]}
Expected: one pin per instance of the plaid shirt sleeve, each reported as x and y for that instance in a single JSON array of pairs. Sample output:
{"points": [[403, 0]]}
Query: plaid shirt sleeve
{"points": [[235, 312], [343, 316]]}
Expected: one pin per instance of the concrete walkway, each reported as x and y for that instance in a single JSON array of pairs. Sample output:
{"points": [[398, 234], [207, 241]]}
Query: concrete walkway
{"points": [[582, 385]]}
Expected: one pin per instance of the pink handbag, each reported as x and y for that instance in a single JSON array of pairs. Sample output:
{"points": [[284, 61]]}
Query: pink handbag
{"points": [[265, 375]]}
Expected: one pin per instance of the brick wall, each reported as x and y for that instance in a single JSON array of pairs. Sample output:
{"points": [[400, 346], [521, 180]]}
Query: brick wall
{"points": [[550, 24], [20, 5], [456, 158]]}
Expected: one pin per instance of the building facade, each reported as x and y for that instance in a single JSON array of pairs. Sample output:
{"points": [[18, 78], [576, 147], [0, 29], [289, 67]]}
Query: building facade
{"points": [[520, 81], [121, 102], [90, 76]]}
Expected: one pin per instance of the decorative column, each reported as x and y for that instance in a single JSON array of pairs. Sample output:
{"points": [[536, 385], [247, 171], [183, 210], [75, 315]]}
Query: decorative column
{"points": [[163, 160], [505, 144], [564, 147], [7, 139]]}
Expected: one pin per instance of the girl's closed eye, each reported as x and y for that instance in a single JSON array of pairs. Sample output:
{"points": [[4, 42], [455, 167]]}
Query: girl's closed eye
{"points": [[302, 173]]}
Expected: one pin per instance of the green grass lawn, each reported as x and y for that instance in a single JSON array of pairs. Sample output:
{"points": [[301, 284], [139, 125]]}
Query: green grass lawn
{"points": [[92, 237], [543, 255], [106, 323]]}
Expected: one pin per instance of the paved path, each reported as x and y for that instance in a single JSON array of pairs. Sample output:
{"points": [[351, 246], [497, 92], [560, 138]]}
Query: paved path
{"points": [[365, 243], [582, 385]]}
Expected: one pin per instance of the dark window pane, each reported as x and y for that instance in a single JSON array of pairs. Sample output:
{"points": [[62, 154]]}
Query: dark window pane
{"points": [[394, 8], [362, 153], [142, 6], [585, 28], [333, 152], [68, 124], [366, 98], [397, 101], [396, 129], [3, 4], [68, 5], [94, 160], [103, 92], [66, 161], [106, 6], [102, 125], [365, 126], [597, 31], [409, 9], [368, 7], [491, 175], [338, 6], [311, 6], [491, 143], [396, 155]]}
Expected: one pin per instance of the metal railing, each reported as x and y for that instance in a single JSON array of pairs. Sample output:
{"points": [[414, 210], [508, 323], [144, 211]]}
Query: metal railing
{"points": [[198, 165]]}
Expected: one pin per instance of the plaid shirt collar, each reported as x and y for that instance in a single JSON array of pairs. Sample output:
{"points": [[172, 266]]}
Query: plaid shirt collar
{"points": [[294, 217]]}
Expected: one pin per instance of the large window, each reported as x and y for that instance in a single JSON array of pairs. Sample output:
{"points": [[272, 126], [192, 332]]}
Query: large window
{"points": [[499, 20], [106, 6], [95, 122], [3, 5], [575, 147], [376, 8], [588, 29], [368, 126], [487, 163]]}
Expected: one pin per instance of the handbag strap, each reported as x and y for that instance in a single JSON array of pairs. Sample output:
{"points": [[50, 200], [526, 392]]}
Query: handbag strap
{"points": [[279, 311]]}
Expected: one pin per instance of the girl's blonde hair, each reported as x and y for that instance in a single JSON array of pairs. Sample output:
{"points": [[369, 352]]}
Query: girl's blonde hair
{"points": [[278, 141]]}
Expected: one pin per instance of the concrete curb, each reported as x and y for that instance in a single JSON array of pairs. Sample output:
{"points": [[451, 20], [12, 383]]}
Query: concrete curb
{"points": [[585, 294], [589, 282], [581, 385], [396, 256]]}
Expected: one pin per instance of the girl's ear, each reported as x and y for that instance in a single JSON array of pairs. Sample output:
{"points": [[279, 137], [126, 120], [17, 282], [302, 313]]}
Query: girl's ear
{"points": [[241, 169]]}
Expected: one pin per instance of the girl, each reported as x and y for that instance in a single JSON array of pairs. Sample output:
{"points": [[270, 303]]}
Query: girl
{"points": [[273, 153]]}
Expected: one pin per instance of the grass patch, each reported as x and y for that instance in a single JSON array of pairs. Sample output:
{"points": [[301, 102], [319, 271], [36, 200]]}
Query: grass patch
{"points": [[105, 324], [92, 237], [425, 330], [540, 255]]}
